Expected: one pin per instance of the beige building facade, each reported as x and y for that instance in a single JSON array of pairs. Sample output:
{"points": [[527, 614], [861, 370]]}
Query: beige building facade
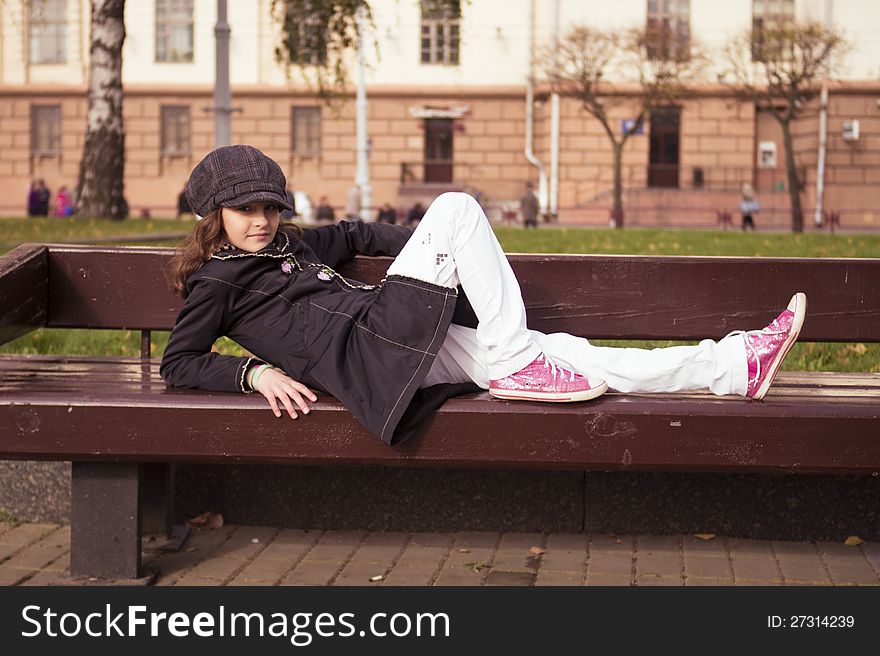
{"points": [[446, 110]]}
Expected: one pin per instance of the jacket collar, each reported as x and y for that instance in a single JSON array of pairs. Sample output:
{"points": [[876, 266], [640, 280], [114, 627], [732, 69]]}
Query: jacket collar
{"points": [[279, 248]]}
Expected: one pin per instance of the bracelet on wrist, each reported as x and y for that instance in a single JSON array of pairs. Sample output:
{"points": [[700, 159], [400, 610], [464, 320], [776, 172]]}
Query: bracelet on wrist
{"points": [[255, 373]]}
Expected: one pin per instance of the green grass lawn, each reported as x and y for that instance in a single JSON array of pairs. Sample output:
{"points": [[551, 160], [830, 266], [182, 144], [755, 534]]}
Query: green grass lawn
{"points": [[687, 242], [804, 357], [15, 231]]}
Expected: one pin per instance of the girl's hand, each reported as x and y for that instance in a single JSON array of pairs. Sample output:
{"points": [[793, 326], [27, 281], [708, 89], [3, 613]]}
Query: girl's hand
{"points": [[277, 386]]}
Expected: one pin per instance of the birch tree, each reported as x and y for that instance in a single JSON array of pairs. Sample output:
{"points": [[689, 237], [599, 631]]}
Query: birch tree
{"points": [[99, 191]]}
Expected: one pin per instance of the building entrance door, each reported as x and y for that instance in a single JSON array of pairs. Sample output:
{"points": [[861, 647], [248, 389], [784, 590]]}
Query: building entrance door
{"points": [[664, 147], [438, 150]]}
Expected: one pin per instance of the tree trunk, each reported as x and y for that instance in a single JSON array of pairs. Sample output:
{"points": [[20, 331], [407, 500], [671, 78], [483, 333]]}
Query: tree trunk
{"points": [[617, 211], [794, 186], [99, 192]]}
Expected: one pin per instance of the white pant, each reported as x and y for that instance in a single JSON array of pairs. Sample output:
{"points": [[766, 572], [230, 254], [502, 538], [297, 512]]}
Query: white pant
{"points": [[454, 244]]}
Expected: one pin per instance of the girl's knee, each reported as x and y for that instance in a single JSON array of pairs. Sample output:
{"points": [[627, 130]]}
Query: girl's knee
{"points": [[453, 198], [462, 206]]}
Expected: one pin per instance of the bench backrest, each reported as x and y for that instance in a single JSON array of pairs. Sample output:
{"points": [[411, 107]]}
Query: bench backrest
{"points": [[600, 296]]}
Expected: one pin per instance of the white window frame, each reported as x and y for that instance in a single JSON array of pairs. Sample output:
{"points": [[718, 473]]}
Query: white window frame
{"points": [[47, 31], [305, 130], [174, 21], [764, 16], [45, 130], [672, 21], [175, 130], [439, 35]]}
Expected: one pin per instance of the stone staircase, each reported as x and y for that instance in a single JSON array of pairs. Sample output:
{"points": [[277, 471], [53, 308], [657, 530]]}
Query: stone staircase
{"points": [[647, 207]]}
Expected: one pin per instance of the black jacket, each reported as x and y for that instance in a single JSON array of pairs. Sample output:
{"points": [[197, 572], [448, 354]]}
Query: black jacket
{"points": [[369, 346]]}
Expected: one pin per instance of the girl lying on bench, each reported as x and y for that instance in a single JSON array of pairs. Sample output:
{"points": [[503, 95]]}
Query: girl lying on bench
{"points": [[393, 352]]}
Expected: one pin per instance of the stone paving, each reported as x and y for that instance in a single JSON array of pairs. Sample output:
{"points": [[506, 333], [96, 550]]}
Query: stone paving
{"points": [[37, 554]]}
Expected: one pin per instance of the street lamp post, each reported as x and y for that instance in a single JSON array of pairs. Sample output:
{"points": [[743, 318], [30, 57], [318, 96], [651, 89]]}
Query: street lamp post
{"points": [[362, 177], [222, 94]]}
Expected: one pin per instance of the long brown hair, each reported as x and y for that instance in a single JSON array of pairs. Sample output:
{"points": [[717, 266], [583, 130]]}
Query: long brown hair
{"points": [[197, 247]]}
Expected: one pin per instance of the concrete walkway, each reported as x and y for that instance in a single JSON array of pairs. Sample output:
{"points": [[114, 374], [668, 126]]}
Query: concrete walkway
{"points": [[35, 554]]}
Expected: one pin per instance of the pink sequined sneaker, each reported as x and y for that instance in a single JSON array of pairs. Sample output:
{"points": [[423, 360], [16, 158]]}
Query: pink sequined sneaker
{"points": [[766, 348], [544, 380]]}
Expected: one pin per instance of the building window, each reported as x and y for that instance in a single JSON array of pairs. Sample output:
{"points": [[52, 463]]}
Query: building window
{"points": [[175, 130], [174, 30], [306, 41], [668, 29], [440, 32], [48, 31], [769, 16], [306, 131], [45, 129]]}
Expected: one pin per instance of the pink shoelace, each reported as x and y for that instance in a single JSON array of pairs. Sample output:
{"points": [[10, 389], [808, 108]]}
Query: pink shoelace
{"points": [[768, 331], [550, 364]]}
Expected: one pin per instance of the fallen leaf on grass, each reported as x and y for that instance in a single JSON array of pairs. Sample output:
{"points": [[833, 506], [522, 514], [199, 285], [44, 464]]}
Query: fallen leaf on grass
{"points": [[853, 541], [537, 551], [207, 519], [705, 536]]}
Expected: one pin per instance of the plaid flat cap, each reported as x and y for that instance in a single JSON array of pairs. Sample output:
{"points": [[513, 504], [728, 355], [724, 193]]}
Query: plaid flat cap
{"points": [[232, 176]]}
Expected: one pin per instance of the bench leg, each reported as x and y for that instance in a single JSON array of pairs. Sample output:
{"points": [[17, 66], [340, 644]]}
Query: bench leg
{"points": [[157, 499], [157, 508], [105, 521]]}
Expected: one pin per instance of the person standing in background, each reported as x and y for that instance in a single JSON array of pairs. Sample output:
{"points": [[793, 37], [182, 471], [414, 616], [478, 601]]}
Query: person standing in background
{"points": [[353, 203], [44, 195], [415, 214], [387, 214], [63, 203], [749, 206], [325, 211], [528, 206], [33, 200]]}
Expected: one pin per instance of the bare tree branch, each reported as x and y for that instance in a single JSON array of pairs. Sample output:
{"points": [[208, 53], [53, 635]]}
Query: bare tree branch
{"points": [[778, 70], [606, 70]]}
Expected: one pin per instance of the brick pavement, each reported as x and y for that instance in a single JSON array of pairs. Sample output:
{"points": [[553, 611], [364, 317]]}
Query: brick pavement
{"points": [[37, 554]]}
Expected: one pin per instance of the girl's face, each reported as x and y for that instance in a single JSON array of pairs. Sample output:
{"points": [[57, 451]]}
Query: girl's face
{"points": [[251, 227]]}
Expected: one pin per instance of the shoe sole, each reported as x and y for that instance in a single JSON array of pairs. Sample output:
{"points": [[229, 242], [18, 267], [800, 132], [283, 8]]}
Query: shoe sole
{"points": [[800, 311], [550, 397]]}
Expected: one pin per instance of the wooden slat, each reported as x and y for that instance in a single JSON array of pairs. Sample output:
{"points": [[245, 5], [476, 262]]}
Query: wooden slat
{"points": [[24, 282], [54, 416], [608, 296], [809, 378], [615, 432], [32, 374], [113, 287]]}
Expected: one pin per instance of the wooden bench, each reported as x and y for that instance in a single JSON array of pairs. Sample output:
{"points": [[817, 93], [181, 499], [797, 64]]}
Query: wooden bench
{"points": [[120, 425]]}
